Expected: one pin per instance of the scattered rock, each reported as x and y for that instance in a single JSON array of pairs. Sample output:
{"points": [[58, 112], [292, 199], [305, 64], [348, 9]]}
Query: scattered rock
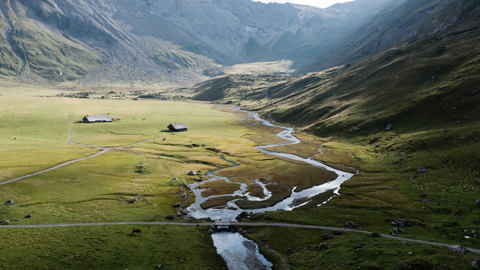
{"points": [[458, 249], [158, 266], [174, 179], [410, 253], [476, 265], [134, 199], [177, 204], [389, 127], [28, 216], [477, 202], [421, 170], [5, 222], [323, 246], [397, 230], [401, 222], [191, 173], [9, 202]]}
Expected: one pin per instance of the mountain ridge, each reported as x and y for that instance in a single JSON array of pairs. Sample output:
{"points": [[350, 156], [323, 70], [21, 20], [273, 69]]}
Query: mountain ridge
{"points": [[163, 41]]}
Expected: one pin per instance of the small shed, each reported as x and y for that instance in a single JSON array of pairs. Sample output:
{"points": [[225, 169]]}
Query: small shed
{"points": [[176, 127], [96, 118]]}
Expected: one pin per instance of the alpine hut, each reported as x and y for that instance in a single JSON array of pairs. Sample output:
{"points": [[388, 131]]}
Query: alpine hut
{"points": [[96, 118], [176, 127]]}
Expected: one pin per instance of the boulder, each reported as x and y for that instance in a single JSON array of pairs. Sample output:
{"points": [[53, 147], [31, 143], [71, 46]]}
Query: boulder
{"points": [[401, 222], [158, 266], [323, 246], [458, 249], [28, 216], [476, 265], [389, 127], [397, 230], [191, 173], [5, 222], [9, 202], [421, 170], [177, 204], [477, 202]]}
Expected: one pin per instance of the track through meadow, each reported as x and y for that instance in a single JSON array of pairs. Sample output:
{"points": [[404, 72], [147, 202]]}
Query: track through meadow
{"points": [[70, 138], [240, 224]]}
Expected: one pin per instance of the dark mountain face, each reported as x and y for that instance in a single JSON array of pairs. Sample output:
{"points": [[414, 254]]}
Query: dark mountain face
{"points": [[403, 22], [426, 75], [168, 40]]}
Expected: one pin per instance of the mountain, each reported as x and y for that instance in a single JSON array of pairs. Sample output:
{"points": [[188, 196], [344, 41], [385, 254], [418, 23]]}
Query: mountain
{"points": [[174, 41], [430, 79], [402, 22]]}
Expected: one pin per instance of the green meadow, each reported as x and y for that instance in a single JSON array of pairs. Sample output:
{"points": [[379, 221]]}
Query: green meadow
{"points": [[141, 182], [35, 137], [108, 247]]}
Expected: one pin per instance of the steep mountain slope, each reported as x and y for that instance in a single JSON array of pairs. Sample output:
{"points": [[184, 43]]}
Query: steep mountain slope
{"points": [[402, 22], [430, 82], [168, 40]]}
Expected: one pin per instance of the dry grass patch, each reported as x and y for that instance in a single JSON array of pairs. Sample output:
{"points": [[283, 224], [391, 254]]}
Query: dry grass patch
{"points": [[218, 187], [218, 202]]}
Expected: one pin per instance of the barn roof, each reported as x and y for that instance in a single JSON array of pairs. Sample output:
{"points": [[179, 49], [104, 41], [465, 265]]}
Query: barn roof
{"points": [[179, 125], [98, 118]]}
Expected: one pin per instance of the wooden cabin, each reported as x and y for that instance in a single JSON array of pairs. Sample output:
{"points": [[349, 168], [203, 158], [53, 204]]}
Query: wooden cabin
{"points": [[96, 118], [176, 127]]}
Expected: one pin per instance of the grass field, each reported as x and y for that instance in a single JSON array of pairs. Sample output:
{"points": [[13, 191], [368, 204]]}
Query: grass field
{"points": [[349, 251], [136, 183], [101, 188], [108, 247]]}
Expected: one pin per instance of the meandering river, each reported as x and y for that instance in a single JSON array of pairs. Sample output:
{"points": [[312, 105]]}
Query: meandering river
{"points": [[239, 252]]}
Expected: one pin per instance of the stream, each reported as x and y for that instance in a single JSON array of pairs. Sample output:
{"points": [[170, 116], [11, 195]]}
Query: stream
{"points": [[239, 252]]}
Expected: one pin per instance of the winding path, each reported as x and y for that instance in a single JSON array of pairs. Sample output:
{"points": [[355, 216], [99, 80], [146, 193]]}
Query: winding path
{"points": [[103, 151], [241, 224]]}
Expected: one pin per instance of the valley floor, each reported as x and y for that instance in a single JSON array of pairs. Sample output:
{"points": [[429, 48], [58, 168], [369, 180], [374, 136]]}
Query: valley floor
{"points": [[142, 182]]}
